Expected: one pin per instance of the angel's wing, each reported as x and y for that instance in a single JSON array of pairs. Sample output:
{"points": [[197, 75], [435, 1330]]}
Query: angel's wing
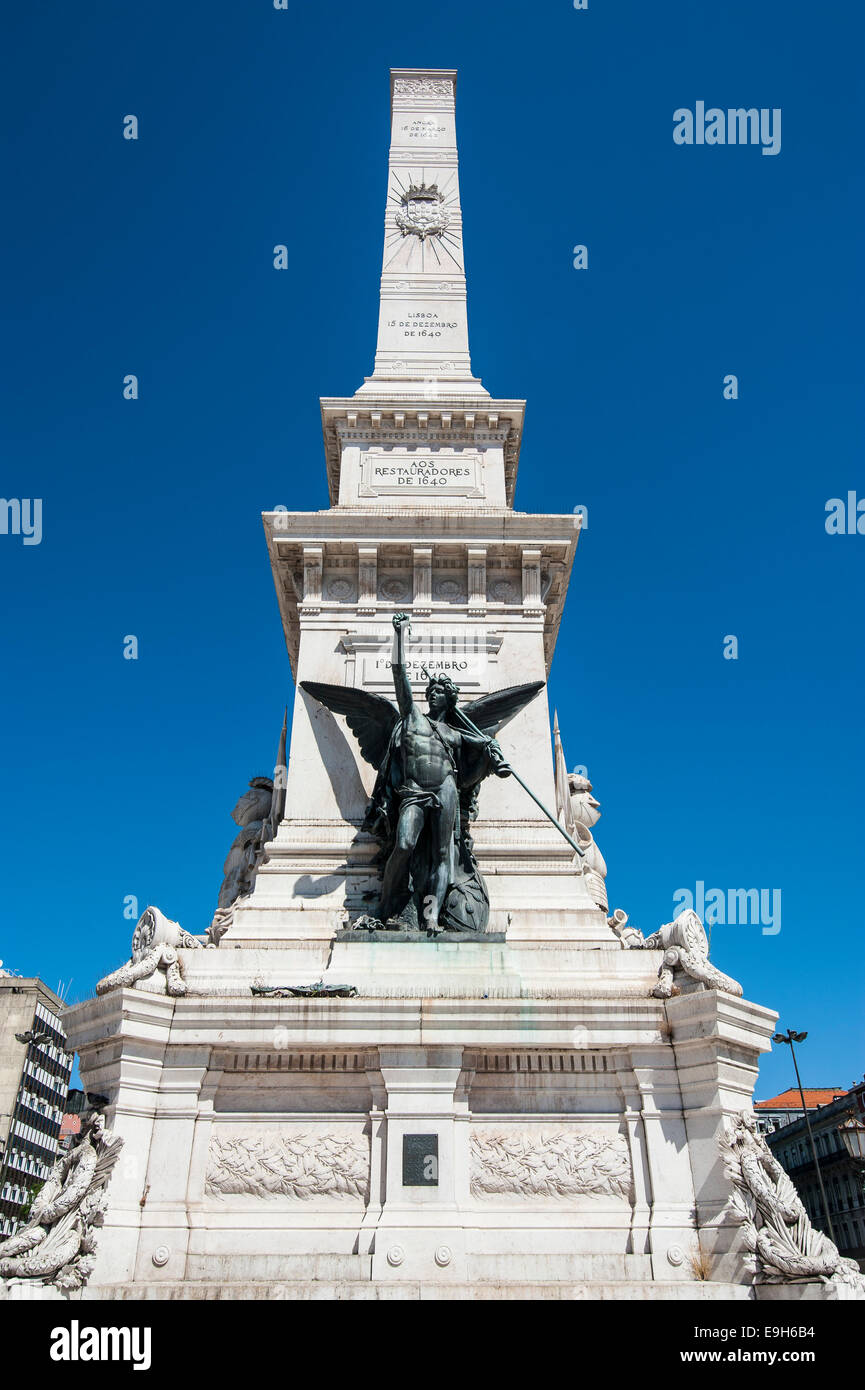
{"points": [[371, 718], [490, 712]]}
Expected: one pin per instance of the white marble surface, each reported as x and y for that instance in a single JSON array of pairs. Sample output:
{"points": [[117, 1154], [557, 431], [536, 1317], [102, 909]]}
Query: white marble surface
{"points": [[620, 1076]]}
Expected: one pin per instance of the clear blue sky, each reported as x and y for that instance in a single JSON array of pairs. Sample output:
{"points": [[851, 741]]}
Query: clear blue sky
{"points": [[706, 517]]}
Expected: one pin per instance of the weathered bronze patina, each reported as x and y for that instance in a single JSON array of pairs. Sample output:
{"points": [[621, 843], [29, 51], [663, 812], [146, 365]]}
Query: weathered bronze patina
{"points": [[430, 767]]}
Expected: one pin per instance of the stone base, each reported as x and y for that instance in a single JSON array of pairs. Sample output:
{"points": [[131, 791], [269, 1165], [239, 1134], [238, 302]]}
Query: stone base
{"points": [[414, 1291], [31, 1291], [803, 1291], [474, 1118], [386, 934]]}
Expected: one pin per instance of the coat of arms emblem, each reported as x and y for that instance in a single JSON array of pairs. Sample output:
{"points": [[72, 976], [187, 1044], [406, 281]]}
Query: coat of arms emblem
{"points": [[423, 211]]}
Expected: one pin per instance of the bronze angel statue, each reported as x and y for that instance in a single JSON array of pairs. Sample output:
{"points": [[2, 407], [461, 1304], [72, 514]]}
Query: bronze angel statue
{"points": [[430, 767]]}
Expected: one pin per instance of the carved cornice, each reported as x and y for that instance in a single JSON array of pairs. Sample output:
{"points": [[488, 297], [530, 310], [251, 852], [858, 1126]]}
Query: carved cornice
{"points": [[548, 1063], [450, 534], [329, 1063], [444, 418]]}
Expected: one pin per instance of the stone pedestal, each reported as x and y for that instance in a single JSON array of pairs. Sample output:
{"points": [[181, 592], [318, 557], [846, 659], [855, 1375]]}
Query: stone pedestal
{"points": [[572, 1129]]}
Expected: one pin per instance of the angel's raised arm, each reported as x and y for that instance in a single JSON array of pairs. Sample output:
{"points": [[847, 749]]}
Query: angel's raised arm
{"points": [[401, 682]]}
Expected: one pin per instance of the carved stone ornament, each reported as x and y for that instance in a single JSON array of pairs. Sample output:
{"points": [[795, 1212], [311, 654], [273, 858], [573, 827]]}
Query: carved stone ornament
{"points": [[567, 1162], [395, 588], [585, 813], [319, 990], [253, 813], [423, 212], [365, 922], [155, 944], [449, 589], [341, 590], [297, 1163], [686, 951], [258, 813], [422, 87], [782, 1244], [154, 929], [57, 1245]]}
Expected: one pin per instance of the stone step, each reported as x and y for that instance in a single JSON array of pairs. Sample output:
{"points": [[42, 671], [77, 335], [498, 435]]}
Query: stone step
{"points": [[548, 1268], [264, 1270], [624, 1290]]}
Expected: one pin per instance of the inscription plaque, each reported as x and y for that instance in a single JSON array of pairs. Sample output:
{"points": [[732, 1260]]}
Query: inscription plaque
{"points": [[463, 656], [425, 475], [420, 1160]]}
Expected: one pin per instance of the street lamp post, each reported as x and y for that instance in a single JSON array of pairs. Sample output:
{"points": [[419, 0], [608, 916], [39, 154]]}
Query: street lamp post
{"points": [[789, 1038], [852, 1131]]}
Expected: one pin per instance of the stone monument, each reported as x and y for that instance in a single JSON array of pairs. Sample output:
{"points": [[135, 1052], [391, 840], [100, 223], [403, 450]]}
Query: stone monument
{"points": [[412, 1051]]}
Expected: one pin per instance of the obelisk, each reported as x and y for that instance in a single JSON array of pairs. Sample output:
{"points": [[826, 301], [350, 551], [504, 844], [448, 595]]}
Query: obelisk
{"points": [[423, 328], [422, 467]]}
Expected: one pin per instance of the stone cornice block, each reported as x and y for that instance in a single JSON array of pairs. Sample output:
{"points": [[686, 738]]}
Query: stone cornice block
{"points": [[362, 1023], [698, 1018]]}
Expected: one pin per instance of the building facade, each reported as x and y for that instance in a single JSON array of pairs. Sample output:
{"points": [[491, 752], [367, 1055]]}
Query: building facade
{"points": [[70, 1128], [843, 1175], [785, 1108], [34, 1080]]}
